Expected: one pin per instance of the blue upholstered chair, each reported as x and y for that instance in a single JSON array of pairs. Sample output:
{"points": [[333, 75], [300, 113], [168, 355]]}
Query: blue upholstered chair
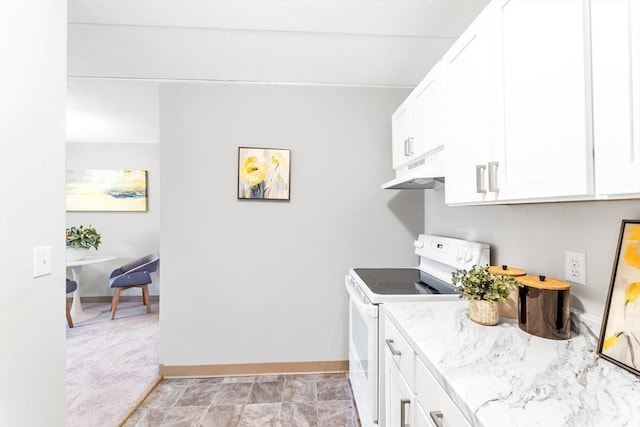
{"points": [[136, 274], [71, 287]]}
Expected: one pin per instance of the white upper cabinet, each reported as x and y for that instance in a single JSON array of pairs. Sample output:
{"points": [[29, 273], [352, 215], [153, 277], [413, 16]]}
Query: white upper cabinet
{"points": [[427, 115], [543, 55], [401, 134], [416, 124], [615, 39], [518, 107], [536, 101], [469, 120]]}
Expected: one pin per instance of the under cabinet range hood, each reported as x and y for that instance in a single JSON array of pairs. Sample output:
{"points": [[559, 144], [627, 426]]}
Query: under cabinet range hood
{"points": [[425, 172], [418, 183]]}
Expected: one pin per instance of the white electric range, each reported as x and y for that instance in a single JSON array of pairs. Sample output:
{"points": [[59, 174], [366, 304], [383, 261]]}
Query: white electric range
{"points": [[370, 287]]}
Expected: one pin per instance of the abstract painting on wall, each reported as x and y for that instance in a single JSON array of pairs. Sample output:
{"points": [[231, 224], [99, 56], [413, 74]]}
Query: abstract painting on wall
{"points": [[264, 173], [106, 190], [619, 340]]}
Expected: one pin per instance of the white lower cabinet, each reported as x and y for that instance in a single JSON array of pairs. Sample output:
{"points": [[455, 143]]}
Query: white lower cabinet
{"points": [[401, 351], [399, 403], [422, 419], [412, 396], [399, 362], [434, 405]]}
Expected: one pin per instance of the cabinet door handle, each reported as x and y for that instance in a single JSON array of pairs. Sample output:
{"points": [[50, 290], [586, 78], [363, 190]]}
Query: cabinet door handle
{"points": [[406, 147], [403, 413], [410, 145], [437, 418], [493, 176], [480, 178], [392, 348]]}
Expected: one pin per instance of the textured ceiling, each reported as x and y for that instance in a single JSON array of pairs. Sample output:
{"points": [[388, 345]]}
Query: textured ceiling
{"points": [[346, 42], [425, 18]]}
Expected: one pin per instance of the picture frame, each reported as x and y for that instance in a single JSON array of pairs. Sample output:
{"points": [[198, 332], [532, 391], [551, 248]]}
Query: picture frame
{"points": [[106, 190], [264, 173], [619, 340]]}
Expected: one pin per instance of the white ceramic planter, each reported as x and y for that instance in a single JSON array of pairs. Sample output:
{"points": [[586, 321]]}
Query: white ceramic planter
{"points": [[76, 254]]}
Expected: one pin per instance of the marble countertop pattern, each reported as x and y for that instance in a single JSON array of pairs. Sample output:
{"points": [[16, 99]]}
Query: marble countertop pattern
{"points": [[501, 376]]}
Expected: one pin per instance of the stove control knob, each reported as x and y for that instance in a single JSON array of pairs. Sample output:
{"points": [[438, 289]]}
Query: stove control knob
{"points": [[468, 256], [459, 255]]}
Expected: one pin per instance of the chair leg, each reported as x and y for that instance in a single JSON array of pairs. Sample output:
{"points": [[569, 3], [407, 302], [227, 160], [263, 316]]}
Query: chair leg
{"points": [[145, 296], [69, 320], [114, 302]]}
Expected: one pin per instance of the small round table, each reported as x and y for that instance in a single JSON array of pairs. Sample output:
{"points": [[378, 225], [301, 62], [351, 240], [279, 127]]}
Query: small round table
{"points": [[77, 313]]}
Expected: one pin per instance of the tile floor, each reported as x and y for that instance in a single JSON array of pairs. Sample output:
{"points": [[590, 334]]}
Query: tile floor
{"points": [[314, 400]]}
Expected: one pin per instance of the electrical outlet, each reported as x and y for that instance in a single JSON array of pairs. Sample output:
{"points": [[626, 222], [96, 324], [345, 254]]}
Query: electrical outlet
{"points": [[575, 267]]}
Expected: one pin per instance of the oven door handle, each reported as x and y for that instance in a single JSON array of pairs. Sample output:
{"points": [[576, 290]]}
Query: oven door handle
{"points": [[365, 308]]}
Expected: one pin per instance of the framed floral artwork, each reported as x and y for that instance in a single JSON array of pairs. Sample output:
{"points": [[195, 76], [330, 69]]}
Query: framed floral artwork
{"points": [[619, 340], [264, 173]]}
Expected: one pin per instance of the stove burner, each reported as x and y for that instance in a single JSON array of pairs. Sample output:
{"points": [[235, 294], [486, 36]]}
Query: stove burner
{"points": [[402, 281], [391, 285]]}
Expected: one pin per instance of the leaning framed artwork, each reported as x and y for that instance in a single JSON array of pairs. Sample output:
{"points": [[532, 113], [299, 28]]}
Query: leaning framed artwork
{"points": [[619, 340], [106, 190], [264, 173]]}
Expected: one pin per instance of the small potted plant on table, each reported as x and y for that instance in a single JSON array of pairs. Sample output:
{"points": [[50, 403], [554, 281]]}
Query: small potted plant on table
{"points": [[483, 290], [79, 240]]}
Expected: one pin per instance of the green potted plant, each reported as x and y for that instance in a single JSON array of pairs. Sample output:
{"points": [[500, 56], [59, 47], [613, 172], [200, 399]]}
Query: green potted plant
{"points": [[79, 240], [483, 290]]}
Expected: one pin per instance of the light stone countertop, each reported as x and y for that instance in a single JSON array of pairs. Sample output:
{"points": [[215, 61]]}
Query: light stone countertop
{"points": [[501, 376]]}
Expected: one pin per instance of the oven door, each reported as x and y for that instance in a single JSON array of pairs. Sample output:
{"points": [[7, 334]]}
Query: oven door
{"points": [[363, 353]]}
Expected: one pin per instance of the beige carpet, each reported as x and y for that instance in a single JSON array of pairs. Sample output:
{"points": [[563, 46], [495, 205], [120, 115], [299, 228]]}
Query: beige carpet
{"points": [[111, 364]]}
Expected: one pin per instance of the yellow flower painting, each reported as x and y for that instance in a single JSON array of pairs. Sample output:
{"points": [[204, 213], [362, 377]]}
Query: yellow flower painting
{"points": [[620, 336], [263, 173], [632, 254]]}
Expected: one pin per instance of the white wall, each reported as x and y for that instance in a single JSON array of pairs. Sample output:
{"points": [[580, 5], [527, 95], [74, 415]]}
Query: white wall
{"points": [[125, 235], [32, 113], [259, 281], [534, 237]]}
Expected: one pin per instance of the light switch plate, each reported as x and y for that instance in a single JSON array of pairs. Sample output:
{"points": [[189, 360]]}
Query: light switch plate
{"points": [[41, 261]]}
